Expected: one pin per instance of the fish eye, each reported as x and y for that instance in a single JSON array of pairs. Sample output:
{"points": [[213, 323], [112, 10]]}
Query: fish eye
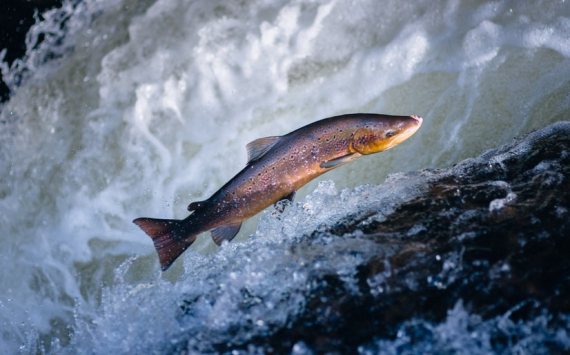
{"points": [[390, 134]]}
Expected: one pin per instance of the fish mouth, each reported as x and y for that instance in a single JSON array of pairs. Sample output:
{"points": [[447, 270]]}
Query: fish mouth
{"points": [[418, 119], [411, 128]]}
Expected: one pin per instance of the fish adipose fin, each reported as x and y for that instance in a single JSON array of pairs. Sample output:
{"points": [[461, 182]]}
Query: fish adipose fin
{"points": [[259, 147], [339, 161], [225, 233], [197, 205], [169, 237]]}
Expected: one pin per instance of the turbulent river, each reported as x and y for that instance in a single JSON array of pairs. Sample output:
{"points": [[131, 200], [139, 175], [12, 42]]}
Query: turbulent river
{"points": [[129, 108]]}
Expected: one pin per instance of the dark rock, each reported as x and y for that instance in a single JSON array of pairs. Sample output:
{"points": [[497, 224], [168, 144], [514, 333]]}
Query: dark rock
{"points": [[16, 18], [491, 233]]}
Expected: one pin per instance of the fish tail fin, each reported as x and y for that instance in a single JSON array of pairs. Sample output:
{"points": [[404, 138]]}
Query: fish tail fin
{"points": [[170, 238]]}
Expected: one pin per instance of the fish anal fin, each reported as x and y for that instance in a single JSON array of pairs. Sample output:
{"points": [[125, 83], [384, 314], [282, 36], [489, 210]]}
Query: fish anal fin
{"points": [[259, 147], [197, 205], [339, 161], [168, 236], [225, 233]]}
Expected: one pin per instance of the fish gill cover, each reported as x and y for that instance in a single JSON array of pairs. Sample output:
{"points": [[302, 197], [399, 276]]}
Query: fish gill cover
{"points": [[133, 107]]}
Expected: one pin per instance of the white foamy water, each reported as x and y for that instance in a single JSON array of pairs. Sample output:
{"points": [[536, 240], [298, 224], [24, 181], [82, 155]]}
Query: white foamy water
{"points": [[137, 107]]}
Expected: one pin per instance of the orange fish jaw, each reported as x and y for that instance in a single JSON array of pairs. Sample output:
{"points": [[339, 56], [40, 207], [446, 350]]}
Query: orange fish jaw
{"points": [[374, 139]]}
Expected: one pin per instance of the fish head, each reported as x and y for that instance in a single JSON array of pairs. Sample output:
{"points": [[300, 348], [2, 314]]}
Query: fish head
{"points": [[384, 133]]}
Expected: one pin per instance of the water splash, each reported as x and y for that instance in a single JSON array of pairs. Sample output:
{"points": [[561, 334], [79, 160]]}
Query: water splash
{"points": [[135, 107]]}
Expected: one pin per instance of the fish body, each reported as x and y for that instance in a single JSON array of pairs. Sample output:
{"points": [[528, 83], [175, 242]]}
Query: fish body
{"points": [[277, 167]]}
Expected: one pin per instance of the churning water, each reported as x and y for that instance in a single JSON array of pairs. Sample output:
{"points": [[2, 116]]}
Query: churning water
{"points": [[138, 107]]}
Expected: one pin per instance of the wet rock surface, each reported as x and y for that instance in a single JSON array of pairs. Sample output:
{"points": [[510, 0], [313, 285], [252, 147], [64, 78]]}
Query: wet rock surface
{"points": [[490, 236]]}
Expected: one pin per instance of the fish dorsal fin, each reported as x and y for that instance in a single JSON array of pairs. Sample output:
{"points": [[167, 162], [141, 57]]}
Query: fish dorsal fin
{"points": [[259, 147], [197, 205], [225, 233]]}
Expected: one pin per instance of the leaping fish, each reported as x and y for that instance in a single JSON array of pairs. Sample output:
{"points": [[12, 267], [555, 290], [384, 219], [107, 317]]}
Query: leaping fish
{"points": [[276, 168]]}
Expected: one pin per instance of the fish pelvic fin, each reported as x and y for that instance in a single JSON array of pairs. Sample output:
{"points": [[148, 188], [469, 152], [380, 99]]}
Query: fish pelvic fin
{"points": [[170, 238]]}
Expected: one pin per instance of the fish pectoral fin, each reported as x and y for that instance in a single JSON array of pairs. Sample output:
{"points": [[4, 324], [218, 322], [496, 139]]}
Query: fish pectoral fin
{"points": [[339, 161], [225, 233], [196, 205], [259, 147]]}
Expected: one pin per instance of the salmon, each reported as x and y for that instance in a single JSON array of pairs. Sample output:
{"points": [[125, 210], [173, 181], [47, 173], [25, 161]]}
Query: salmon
{"points": [[276, 168]]}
